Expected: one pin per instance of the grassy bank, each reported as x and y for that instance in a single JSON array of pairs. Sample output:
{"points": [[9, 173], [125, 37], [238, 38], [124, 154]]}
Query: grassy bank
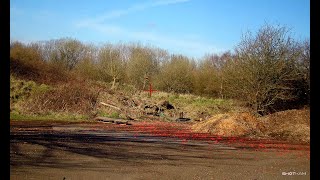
{"points": [[74, 102], [50, 117], [81, 100], [33, 101]]}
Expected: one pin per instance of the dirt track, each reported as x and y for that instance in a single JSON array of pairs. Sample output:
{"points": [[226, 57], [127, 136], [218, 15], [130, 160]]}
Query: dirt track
{"points": [[146, 151]]}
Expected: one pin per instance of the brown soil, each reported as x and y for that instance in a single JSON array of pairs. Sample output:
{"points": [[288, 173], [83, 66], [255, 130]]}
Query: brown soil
{"points": [[236, 124], [40, 150], [290, 125]]}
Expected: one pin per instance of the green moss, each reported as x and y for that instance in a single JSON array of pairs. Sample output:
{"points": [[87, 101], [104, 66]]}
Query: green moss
{"points": [[115, 115]]}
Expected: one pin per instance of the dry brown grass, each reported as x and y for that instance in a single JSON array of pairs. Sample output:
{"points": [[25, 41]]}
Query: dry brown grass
{"points": [[72, 97], [69, 93]]}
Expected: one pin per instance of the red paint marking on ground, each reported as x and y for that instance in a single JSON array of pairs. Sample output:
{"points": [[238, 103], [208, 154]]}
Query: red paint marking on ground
{"points": [[184, 141], [184, 132]]}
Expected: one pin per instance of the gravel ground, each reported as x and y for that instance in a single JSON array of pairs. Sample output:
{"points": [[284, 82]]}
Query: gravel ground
{"points": [[105, 151]]}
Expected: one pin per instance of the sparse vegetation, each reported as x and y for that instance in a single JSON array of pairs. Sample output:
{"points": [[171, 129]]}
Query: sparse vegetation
{"points": [[268, 72]]}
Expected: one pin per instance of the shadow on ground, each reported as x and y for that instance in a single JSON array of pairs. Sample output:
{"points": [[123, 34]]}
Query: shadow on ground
{"points": [[58, 150]]}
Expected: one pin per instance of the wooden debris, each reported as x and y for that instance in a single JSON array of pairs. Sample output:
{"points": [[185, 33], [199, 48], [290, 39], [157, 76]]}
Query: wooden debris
{"points": [[183, 119], [110, 105], [112, 120]]}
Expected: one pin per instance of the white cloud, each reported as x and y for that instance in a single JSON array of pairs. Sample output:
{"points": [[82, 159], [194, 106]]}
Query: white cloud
{"points": [[191, 46], [179, 44], [135, 8], [109, 29], [182, 43]]}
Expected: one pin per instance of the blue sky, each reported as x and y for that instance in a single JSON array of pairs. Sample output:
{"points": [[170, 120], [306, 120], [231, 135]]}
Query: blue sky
{"points": [[189, 27]]}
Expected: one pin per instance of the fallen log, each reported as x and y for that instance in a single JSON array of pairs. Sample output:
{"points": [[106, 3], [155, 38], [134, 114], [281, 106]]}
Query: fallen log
{"points": [[183, 119], [119, 109], [112, 120]]}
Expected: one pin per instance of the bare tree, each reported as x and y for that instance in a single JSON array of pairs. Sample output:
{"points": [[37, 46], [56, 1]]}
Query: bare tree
{"points": [[177, 75], [142, 65], [67, 52], [111, 63], [264, 70], [88, 66], [23, 52]]}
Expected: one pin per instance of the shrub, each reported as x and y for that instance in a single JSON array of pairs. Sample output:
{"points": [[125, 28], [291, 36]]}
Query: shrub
{"points": [[265, 71], [70, 97]]}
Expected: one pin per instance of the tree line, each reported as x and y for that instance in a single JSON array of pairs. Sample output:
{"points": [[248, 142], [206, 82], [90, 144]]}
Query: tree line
{"points": [[268, 70]]}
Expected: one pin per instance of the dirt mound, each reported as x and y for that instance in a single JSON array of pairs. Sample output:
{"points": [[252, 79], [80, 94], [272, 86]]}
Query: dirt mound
{"points": [[292, 125], [236, 124]]}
